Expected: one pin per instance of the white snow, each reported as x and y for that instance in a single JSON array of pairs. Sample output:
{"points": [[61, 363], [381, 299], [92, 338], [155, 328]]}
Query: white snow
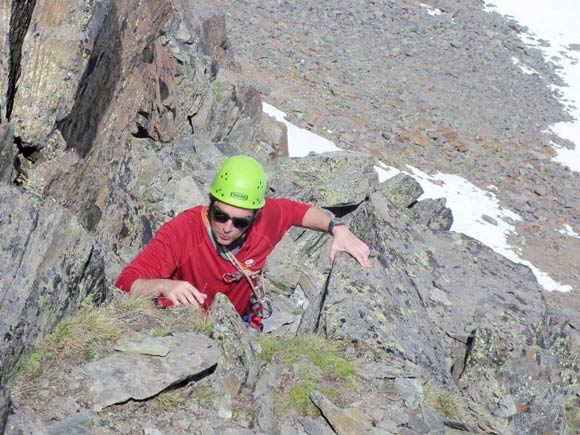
{"points": [[300, 141], [525, 69], [569, 231], [557, 22], [431, 11], [469, 204], [385, 172]]}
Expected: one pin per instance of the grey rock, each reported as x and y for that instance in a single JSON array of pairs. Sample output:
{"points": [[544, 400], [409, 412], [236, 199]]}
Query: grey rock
{"points": [[388, 369], [417, 424], [315, 426], [264, 398], [48, 264], [5, 400], [8, 153], [399, 417], [330, 179], [402, 190], [411, 391], [343, 421], [433, 213], [286, 315], [238, 363], [507, 407], [210, 428], [142, 344], [123, 376], [78, 424], [18, 423], [150, 429]]}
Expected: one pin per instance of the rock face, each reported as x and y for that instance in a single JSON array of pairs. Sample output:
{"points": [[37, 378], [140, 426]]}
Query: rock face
{"points": [[49, 263], [98, 96], [454, 308]]}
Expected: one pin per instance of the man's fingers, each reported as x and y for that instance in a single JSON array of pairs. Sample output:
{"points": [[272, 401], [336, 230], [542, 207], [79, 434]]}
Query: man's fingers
{"points": [[189, 298], [332, 255], [199, 297]]}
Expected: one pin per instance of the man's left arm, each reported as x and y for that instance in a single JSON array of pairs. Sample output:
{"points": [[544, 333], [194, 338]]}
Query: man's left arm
{"points": [[343, 239]]}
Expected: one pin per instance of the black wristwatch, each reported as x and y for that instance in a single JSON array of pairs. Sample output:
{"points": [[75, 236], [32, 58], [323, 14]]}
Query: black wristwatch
{"points": [[335, 222]]}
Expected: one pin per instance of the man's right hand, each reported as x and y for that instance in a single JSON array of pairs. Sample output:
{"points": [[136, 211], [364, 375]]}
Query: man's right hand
{"points": [[182, 292], [178, 292]]}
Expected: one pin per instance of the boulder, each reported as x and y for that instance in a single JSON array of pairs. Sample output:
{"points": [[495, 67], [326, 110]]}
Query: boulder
{"points": [[402, 190], [433, 213]]}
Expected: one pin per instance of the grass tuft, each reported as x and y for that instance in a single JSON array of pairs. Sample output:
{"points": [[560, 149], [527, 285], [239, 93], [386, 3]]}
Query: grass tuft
{"points": [[316, 361], [76, 333], [444, 403]]}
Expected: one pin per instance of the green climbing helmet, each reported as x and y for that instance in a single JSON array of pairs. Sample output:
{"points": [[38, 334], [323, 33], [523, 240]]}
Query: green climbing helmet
{"points": [[240, 181]]}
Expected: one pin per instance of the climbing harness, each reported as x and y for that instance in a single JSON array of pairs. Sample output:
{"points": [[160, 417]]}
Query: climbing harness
{"points": [[261, 306]]}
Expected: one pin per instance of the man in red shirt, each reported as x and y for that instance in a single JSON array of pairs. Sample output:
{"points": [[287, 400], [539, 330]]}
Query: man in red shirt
{"points": [[222, 248]]}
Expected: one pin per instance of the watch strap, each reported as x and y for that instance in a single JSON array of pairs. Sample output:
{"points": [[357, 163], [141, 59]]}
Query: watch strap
{"points": [[335, 222]]}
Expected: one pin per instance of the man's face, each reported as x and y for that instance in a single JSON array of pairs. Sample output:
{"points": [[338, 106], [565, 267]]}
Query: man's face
{"points": [[228, 223]]}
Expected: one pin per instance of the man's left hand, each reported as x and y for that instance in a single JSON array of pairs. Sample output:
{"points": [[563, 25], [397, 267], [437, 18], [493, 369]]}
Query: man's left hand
{"points": [[346, 241]]}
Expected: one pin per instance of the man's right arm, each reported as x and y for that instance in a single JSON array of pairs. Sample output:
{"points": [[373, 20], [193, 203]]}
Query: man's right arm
{"points": [[178, 292]]}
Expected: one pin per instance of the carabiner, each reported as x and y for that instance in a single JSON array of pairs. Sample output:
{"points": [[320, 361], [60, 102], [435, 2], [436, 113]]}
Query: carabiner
{"points": [[232, 277]]}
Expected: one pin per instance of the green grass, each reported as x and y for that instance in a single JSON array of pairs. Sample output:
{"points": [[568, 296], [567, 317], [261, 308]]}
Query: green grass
{"points": [[204, 395], [318, 350], [319, 366]]}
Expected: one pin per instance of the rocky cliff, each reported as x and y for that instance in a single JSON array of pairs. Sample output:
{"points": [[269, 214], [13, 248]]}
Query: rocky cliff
{"points": [[114, 116]]}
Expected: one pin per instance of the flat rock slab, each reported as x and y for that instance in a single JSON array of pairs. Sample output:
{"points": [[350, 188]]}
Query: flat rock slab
{"points": [[142, 344], [123, 376]]}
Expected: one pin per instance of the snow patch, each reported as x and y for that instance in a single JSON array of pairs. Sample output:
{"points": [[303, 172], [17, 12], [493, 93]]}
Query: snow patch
{"points": [[301, 142], [525, 69], [432, 11], [569, 231]]}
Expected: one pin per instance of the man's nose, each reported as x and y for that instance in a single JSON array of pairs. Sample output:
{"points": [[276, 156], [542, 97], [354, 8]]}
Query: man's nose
{"points": [[228, 225]]}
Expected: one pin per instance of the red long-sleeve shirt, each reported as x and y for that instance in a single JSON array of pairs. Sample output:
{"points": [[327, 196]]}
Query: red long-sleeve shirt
{"points": [[182, 250]]}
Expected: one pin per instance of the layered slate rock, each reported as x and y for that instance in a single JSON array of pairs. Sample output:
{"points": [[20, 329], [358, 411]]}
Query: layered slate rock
{"points": [[48, 264], [129, 375], [54, 58], [332, 179], [99, 103], [457, 310], [238, 363]]}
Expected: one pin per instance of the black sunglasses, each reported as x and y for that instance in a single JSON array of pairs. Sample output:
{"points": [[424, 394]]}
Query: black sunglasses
{"points": [[238, 222]]}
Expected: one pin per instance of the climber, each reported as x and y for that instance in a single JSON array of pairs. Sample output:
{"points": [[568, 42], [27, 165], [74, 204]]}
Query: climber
{"points": [[223, 247]]}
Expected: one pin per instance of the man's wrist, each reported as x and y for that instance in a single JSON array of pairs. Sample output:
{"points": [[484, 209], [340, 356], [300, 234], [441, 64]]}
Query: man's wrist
{"points": [[335, 222]]}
